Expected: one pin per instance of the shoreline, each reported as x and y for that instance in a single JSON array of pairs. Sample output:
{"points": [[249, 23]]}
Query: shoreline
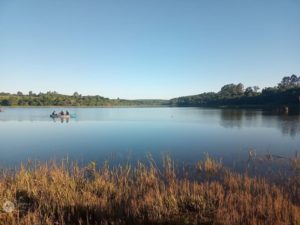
{"points": [[167, 106]]}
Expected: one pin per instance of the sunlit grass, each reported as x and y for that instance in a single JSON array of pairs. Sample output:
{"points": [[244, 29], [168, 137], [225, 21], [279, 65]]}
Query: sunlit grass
{"points": [[207, 193]]}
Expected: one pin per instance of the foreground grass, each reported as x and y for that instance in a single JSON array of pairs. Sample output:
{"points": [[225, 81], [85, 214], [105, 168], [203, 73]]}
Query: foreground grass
{"points": [[206, 193]]}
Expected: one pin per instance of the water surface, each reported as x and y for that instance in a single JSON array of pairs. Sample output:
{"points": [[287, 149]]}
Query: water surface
{"points": [[131, 133]]}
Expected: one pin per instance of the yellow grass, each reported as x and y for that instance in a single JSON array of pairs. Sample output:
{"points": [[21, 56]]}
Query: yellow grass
{"points": [[208, 193]]}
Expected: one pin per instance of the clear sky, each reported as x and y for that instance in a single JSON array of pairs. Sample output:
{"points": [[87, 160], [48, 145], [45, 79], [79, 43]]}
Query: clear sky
{"points": [[146, 48]]}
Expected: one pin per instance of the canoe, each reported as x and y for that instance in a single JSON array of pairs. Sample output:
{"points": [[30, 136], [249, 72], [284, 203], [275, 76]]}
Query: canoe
{"points": [[60, 116]]}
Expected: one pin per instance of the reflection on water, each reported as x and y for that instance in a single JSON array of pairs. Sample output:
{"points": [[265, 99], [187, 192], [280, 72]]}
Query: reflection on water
{"points": [[62, 120], [232, 118], [290, 126], [287, 123], [186, 133]]}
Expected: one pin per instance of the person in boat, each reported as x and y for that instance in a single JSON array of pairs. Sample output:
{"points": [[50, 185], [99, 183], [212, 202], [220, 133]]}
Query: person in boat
{"points": [[53, 114], [67, 113], [62, 113]]}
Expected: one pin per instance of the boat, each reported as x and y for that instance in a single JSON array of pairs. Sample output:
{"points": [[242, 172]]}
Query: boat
{"points": [[54, 116]]}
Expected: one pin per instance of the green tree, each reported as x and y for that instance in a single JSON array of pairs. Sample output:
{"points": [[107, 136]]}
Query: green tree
{"points": [[289, 82], [255, 89], [230, 90], [249, 91], [76, 95], [6, 102]]}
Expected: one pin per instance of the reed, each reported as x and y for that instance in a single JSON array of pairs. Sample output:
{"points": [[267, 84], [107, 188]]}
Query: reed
{"points": [[207, 193]]}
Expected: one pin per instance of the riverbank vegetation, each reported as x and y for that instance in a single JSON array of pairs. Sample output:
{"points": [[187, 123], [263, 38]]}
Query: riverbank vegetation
{"points": [[56, 99], [286, 93], [205, 193]]}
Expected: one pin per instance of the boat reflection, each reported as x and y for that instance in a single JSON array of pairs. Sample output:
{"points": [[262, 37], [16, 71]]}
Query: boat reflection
{"points": [[61, 119]]}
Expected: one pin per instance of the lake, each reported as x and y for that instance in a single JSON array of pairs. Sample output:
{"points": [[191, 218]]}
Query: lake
{"points": [[128, 134]]}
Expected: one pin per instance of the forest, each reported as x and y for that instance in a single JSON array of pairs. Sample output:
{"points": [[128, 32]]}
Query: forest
{"points": [[287, 92], [56, 99]]}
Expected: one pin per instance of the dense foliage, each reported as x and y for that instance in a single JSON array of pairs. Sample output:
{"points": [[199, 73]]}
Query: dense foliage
{"points": [[287, 92], [55, 99]]}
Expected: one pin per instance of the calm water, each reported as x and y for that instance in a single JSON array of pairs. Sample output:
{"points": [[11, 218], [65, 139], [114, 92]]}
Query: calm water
{"points": [[130, 133]]}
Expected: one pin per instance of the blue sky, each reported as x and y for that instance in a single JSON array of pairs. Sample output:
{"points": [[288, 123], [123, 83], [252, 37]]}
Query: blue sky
{"points": [[146, 48]]}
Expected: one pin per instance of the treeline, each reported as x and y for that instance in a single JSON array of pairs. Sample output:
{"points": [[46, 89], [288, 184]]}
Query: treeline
{"points": [[56, 99], [287, 92]]}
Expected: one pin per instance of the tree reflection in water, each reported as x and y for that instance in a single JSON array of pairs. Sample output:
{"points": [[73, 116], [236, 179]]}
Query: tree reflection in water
{"points": [[287, 122]]}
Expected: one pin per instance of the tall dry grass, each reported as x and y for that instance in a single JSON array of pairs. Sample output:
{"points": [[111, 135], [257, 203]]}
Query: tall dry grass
{"points": [[207, 193]]}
